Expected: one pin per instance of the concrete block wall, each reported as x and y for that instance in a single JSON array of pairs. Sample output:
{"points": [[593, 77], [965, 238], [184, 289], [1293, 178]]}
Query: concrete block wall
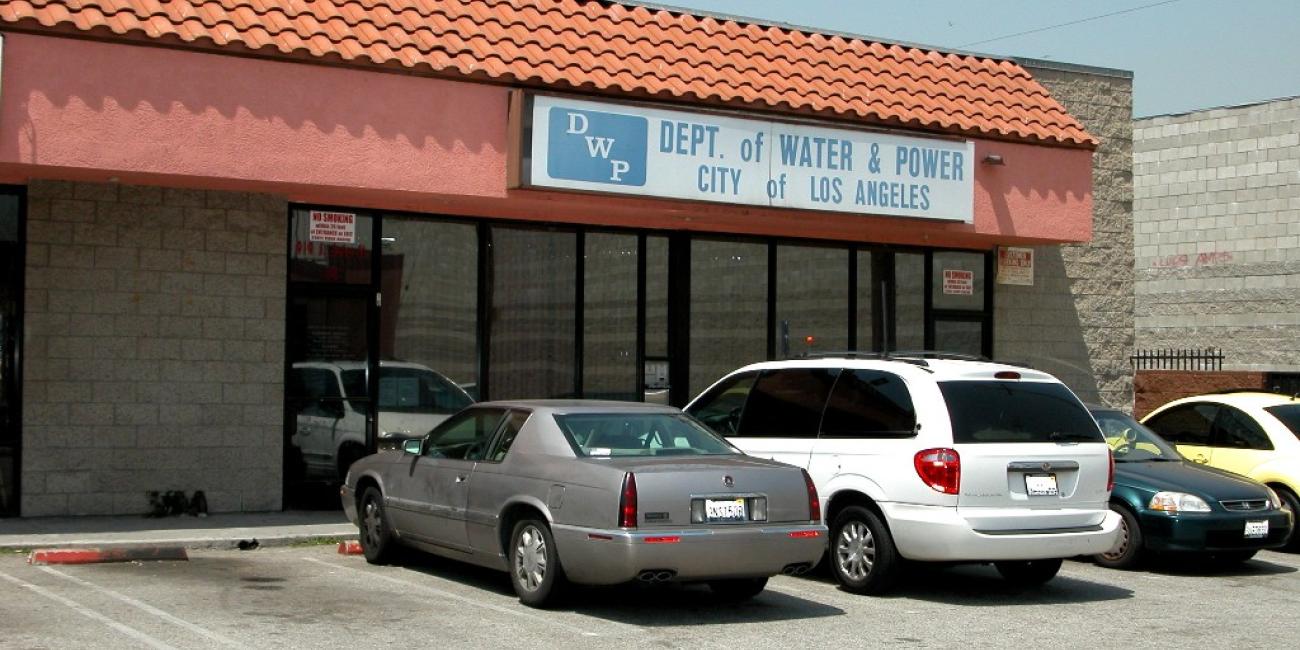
{"points": [[153, 348], [1217, 215], [1076, 321]]}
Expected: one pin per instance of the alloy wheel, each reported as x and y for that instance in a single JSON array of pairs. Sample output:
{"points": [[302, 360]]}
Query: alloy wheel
{"points": [[373, 519], [855, 550], [1121, 545], [530, 558]]}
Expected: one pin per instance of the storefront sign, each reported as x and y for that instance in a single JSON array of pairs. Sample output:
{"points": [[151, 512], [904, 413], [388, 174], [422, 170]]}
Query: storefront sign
{"points": [[598, 147], [332, 227], [1016, 266], [958, 283]]}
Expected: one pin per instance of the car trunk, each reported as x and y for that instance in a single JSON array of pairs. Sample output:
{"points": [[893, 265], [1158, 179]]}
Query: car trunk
{"points": [[667, 486]]}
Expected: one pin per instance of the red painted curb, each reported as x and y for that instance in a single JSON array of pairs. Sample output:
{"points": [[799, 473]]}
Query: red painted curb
{"points": [[96, 555], [350, 548]]}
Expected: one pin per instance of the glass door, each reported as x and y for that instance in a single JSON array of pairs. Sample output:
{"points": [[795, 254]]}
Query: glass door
{"points": [[11, 268], [331, 314]]}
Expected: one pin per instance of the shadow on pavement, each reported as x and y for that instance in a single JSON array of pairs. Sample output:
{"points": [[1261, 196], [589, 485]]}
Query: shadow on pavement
{"points": [[634, 604], [1174, 565], [982, 586]]}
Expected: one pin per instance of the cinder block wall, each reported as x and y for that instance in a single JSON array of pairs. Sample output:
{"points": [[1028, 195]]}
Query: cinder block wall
{"points": [[1218, 233], [153, 348], [1076, 321]]}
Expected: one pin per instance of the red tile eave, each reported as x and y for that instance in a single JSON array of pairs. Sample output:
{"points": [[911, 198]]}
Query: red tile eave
{"points": [[879, 100]]}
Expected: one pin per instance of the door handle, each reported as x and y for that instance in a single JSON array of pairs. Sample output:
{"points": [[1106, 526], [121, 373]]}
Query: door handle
{"points": [[461, 478], [1201, 459]]}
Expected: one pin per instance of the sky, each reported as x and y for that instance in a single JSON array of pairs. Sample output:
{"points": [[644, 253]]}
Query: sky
{"points": [[1185, 55]]}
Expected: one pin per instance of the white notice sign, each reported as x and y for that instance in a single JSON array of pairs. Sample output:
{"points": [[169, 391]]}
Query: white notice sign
{"points": [[958, 283], [1016, 266], [333, 227]]}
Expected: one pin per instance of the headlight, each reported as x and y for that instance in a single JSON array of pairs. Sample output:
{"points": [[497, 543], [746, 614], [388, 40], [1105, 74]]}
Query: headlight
{"points": [[1274, 499], [1178, 502]]}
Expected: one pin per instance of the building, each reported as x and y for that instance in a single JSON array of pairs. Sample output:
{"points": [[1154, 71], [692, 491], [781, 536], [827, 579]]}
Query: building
{"points": [[228, 224], [1217, 234]]}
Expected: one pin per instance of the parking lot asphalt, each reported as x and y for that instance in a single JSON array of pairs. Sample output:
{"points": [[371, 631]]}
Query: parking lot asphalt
{"points": [[313, 597]]}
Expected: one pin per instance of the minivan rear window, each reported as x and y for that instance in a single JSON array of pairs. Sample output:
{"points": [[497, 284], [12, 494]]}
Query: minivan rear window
{"points": [[1015, 411]]}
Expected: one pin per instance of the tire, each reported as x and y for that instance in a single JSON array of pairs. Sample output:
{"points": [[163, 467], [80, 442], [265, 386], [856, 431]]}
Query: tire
{"points": [[1292, 503], [378, 543], [535, 570], [738, 589], [862, 553], [1029, 573], [1128, 550]]}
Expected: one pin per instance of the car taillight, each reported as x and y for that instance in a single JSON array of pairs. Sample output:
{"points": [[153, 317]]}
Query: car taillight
{"points": [[627, 502], [1110, 472], [814, 504], [940, 469]]}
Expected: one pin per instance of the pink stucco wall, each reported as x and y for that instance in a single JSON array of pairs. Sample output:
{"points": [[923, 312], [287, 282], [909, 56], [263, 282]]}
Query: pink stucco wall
{"points": [[85, 110]]}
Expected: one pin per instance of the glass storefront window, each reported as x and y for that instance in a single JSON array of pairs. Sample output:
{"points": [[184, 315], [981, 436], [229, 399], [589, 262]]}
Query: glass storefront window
{"points": [[958, 280], [812, 307], [728, 304], [909, 301], [429, 314], [960, 336], [869, 293], [532, 316], [331, 246], [609, 316]]}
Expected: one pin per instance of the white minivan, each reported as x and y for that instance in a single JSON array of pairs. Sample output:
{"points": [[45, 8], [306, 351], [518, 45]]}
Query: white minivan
{"points": [[928, 458]]}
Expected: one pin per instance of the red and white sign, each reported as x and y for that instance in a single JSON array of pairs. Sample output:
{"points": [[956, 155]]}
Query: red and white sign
{"points": [[332, 227], [1016, 266], [958, 283]]}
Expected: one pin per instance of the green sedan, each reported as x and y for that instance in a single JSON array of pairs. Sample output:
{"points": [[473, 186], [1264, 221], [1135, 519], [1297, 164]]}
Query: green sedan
{"points": [[1171, 505]]}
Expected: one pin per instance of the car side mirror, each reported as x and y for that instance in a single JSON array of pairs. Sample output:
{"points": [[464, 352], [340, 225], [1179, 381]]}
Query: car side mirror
{"points": [[413, 446]]}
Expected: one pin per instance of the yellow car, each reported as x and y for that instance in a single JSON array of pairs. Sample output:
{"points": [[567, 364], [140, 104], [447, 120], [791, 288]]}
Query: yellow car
{"points": [[1254, 434]]}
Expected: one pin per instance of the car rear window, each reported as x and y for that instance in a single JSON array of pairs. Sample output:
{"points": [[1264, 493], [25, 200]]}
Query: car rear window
{"points": [[1016, 411], [604, 435], [1289, 414]]}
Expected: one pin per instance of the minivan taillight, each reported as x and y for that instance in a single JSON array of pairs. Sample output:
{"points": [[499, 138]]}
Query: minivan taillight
{"points": [[814, 503], [1110, 473], [940, 469], [627, 502]]}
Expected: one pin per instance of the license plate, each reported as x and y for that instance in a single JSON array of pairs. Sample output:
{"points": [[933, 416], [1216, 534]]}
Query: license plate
{"points": [[724, 510], [1040, 485], [1257, 528]]}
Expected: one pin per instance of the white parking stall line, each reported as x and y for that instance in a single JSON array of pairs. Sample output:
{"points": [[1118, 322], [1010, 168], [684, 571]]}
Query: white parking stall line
{"points": [[174, 620], [89, 613], [469, 601]]}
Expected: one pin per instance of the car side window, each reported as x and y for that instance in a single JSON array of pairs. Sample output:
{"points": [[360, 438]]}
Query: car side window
{"points": [[869, 404], [466, 435], [1236, 430], [787, 403], [514, 422], [1190, 424], [720, 409], [317, 391]]}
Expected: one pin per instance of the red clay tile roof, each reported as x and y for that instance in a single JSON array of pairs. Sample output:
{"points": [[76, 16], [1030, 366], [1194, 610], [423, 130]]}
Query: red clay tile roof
{"points": [[602, 47]]}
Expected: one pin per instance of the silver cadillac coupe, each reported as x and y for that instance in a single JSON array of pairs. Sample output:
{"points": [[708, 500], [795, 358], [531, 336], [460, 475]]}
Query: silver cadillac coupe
{"points": [[588, 492]]}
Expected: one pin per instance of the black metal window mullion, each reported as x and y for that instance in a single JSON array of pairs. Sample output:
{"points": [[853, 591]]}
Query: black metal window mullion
{"points": [[853, 299], [679, 318], [484, 338], [771, 300], [372, 331], [639, 379], [989, 282], [927, 302], [579, 302]]}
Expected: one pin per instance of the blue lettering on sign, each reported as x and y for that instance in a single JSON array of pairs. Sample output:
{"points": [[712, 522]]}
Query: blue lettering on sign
{"points": [[596, 147]]}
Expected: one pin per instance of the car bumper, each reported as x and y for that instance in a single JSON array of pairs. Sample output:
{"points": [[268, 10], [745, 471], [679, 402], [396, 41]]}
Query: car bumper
{"points": [[601, 557], [1213, 531], [940, 534], [349, 501]]}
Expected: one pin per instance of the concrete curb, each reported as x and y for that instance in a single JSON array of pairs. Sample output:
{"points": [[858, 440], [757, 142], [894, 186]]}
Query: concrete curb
{"points": [[98, 555], [192, 543]]}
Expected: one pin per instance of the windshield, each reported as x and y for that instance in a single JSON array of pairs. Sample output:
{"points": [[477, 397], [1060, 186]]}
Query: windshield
{"points": [[1131, 441], [640, 434], [1289, 414], [1016, 411]]}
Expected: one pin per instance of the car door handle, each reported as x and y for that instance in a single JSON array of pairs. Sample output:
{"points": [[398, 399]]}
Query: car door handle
{"points": [[1201, 459], [461, 478]]}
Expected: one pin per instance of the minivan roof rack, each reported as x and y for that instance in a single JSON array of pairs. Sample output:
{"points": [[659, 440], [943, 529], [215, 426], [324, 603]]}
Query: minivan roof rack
{"points": [[916, 357]]}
